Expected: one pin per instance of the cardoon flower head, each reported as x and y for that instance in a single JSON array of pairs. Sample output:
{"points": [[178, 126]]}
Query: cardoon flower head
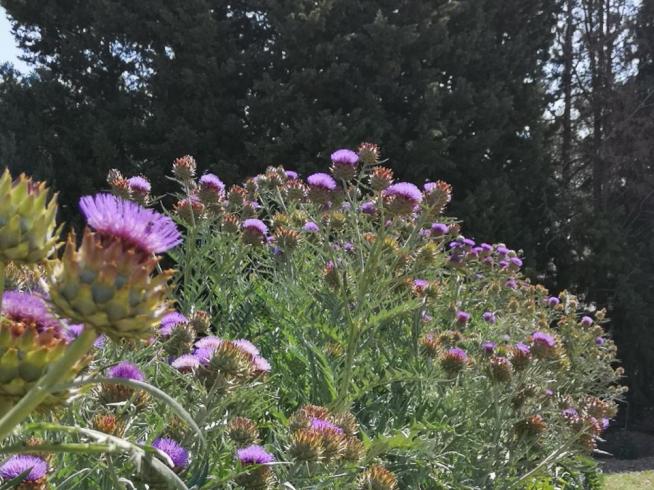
{"points": [[489, 317], [135, 226], [291, 175], [368, 207], [254, 454], [586, 321], [486, 248], [454, 360], [439, 229], [500, 369], [553, 301], [177, 454], [420, 285], [402, 197], [31, 339], [511, 283], [515, 262], [212, 189], [381, 178], [378, 478], [311, 227], [254, 231], [19, 464], [542, 344], [139, 185], [126, 370], [502, 250], [27, 220], [184, 167], [437, 195], [186, 363], [520, 355], [488, 347], [30, 309], [570, 413], [600, 341], [462, 317], [170, 321], [344, 164], [368, 153]]}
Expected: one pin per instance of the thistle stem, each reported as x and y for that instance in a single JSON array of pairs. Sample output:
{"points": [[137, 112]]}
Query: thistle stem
{"points": [[41, 389]]}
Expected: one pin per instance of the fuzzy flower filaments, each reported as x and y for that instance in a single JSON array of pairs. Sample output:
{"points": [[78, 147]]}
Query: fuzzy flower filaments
{"points": [[36, 468], [31, 339], [108, 283], [117, 393], [171, 448]]}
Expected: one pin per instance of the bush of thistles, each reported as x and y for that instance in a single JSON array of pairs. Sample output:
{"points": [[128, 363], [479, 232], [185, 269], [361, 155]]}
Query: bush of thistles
{"points": [[333, 331]]}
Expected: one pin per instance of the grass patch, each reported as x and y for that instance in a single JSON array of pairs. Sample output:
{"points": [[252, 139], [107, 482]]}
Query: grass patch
{"points": [[636, 480]]}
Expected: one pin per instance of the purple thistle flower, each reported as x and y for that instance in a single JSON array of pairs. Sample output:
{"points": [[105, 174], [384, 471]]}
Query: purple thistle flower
{"points": [[247, 347], [543, 339], [256, 226], [549, 393], [463, 317], [177, 454], [186, 363], [486, 247], [254, 455], [489, 317], [523, 348], [503, 264], [511, 283], [291, 175], [420, 284], [209, 342], [468, 242], [139, 184], [502, 250], [311, 227], [586, 321], [20, 463], [322, 425], [126, 370], [600, 341], [569, 413], [322, 181], [134, 225], [439, 229], [204, 355], [261, 365], [213, 183], [28, 308], [516, 262], [170, 321], [458, 353], [605, 423], [488, 347], [74, 331], [368, 207], [553, 301], [345, 157], [405, 191]]}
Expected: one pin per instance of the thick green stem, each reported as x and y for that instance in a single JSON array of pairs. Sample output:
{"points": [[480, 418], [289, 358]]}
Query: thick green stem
{"points": [[41, 389]]}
